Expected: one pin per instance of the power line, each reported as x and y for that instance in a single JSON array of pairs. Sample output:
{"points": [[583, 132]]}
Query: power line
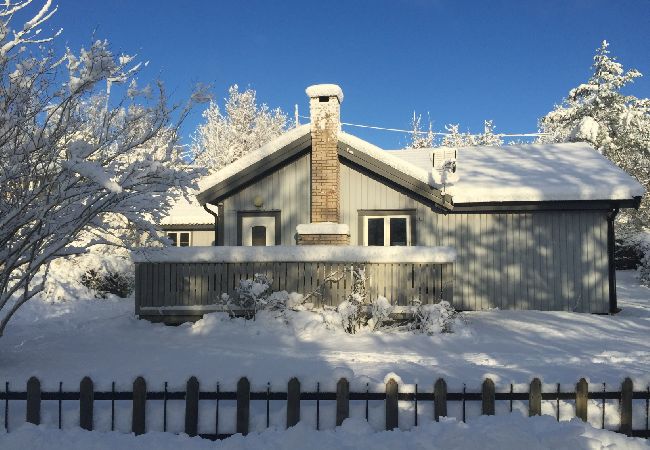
{"points": [[435, 133]]}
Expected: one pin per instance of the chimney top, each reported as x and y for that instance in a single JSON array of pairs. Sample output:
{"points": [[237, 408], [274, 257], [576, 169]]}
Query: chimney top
{"points": [[325, 90]]}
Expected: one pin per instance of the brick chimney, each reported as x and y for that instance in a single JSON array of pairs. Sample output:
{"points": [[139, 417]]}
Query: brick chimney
{"points": [[325, 110]]}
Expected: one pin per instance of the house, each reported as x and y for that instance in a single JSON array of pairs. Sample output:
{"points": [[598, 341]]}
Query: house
{"points": [[532, 225], [188, 224]]}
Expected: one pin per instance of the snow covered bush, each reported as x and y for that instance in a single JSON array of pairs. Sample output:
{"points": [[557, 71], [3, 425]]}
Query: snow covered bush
{"points": [[352, 310], [74, 156], [116, 283], [433, 318], [380, 311], [252, 295]]}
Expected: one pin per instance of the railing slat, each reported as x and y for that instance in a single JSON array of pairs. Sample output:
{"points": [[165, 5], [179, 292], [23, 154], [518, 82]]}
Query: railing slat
{"points": [[86, 399], [139, 406], [293, 402], [342, 401], [243, 405], [391, 404], [33, 413], [192, 407]]}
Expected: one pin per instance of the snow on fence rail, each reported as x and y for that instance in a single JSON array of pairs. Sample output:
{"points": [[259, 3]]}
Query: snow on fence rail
{"points": [[438, 399], [180, 280]]}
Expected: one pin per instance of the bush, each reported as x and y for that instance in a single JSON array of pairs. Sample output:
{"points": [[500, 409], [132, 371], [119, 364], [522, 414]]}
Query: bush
{"points": [[351, 310], [433, 318], [110, 282]]}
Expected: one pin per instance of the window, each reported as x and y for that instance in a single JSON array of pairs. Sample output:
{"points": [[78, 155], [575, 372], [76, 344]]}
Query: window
{"points": [[180, 238], [258, 235], [388, 230]]}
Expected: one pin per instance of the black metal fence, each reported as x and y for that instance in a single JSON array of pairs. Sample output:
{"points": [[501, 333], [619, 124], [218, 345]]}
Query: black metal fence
{"points": [[437, 399]]}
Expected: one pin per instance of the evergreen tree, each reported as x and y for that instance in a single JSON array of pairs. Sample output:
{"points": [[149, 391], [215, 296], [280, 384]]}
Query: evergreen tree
{"points": [[617, 125]]}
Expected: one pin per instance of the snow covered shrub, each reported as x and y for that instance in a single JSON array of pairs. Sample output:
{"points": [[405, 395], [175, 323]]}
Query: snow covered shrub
{"points": [[380, 311], [351, 310], [253, 294], [117, 283], [433, 318]]}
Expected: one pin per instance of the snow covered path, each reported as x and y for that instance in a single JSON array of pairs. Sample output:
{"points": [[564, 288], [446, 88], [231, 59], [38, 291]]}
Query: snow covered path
{"points": [[100, 338]]}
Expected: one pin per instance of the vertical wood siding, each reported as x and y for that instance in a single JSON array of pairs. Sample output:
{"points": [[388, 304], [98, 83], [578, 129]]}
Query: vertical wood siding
{"points": [[548, 260], [287, 190]]}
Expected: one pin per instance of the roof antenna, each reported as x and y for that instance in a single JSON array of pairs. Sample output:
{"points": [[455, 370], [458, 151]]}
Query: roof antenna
{"points": [[296, 116]]}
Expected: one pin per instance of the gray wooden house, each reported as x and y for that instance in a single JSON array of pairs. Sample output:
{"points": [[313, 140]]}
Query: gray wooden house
{"points": [[532, 225]]}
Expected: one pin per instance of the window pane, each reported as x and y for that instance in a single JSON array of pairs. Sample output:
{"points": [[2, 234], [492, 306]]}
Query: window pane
{"points": [[184, 240], [259, 235], [376, 231], [174, 238], [398, 231]]}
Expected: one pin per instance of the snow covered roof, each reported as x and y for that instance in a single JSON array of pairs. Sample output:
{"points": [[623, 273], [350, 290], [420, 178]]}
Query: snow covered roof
{"points": [[391, 159], [297, 253], [532, 172], [187, 213], [206, 183]]}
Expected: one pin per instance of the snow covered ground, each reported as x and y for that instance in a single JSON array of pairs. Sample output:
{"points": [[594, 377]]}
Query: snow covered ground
{"points": [[485, 433], [67, 340]]}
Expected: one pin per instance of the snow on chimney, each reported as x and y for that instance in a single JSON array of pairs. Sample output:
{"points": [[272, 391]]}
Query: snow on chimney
{"points": [[325, 111]]}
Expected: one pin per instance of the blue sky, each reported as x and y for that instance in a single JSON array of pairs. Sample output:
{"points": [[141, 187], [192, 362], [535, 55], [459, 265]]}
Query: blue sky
{"points": [[461, 61]]}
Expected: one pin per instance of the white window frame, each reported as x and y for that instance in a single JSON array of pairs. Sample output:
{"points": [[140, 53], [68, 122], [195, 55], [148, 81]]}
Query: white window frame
{"points": [[387, 218], [178, 240]]}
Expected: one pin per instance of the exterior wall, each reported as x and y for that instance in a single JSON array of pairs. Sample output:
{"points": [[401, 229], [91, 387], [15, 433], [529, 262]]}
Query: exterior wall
{"points": [[286, 190], [202, 238], [548, 260]]}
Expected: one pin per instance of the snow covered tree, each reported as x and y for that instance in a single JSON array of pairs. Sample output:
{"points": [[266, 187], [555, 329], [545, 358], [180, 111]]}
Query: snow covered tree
{"points": [[617, 125], [420, 139], [455, 139], [488, 137], [241, 127], [72, 155]]}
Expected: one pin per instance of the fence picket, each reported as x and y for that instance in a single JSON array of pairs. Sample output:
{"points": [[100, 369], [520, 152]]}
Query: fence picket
{"points": [[86, 399], [192, 407], [243, 405], [440, 399], [627, 389], [391, 404], [33, 414], [487, 398], [582, 395], [342, 401], [535, 398], [139, 406], [293, 402]]}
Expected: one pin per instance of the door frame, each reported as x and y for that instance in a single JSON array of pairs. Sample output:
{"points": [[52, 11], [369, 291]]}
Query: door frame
{"points": [[275, 213]]}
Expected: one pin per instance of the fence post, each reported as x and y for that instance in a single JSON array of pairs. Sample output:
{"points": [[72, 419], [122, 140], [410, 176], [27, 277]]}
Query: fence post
{"points": [[33, 414], [440, 399], [293, 402], [192, 406], [139, 406], [582, 395], [243, 405], [342, 401], [535, 398], [627, 389], [391, 404], [487, 396], [86, 399]]}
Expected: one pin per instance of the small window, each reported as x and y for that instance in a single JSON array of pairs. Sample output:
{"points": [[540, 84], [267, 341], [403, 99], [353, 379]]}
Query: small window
{"points": [[258, 237], [387, 230], [375, 231], [180, 238]]}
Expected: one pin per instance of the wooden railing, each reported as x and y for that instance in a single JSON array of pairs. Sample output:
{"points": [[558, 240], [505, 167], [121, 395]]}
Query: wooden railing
{"points": [[198, 287], [434, 398]]}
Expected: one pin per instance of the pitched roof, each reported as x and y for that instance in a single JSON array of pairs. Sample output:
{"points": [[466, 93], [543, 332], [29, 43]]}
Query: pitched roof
{"points": [[183, 212], [532, 173], [513, 173]]}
